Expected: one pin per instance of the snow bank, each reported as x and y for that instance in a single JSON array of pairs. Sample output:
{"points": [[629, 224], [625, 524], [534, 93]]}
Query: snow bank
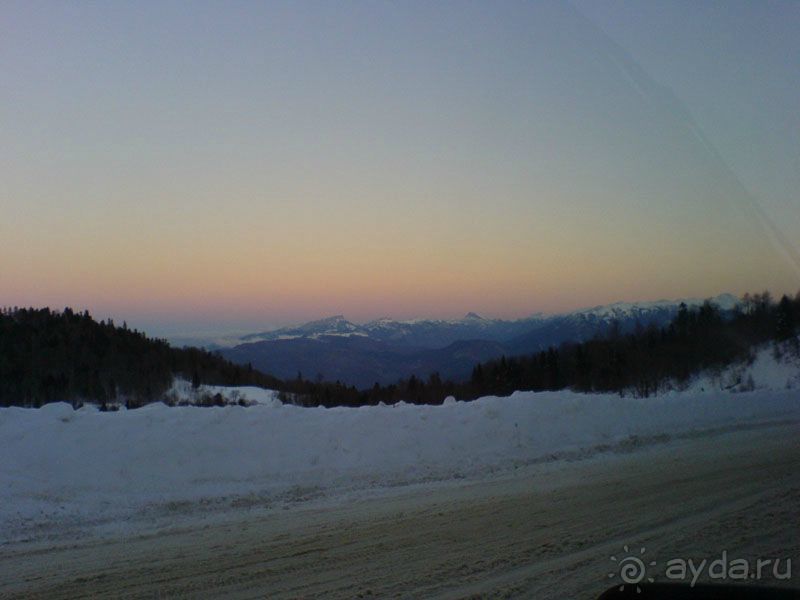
{"points": [[182, 390], [774, 367], [64, 466]]}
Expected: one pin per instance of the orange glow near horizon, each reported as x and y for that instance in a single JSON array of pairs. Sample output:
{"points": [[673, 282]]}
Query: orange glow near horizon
{"points": [[278, 283], [278, 168]]}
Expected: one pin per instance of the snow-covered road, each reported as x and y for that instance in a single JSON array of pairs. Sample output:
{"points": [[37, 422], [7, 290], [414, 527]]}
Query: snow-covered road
{"points": [[86, 471], [70, 472], [544, 531]]}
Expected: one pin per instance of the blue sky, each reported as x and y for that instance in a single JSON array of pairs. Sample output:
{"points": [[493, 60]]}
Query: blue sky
{"points": [[214, 165]]}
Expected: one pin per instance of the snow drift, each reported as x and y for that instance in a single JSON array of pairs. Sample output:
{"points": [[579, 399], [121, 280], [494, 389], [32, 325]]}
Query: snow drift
{"points": [[63, 466], [66, 469]]}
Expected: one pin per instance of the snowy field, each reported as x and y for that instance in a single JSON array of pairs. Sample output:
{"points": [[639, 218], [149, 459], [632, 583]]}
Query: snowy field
{"points": [[66, 470]]}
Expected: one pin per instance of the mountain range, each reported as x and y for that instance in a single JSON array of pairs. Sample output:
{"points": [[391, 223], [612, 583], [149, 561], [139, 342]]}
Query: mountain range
{"points": [[384, 350]]}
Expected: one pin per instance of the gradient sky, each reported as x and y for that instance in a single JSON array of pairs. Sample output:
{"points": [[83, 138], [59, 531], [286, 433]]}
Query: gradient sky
{"points": [[204, 166]]}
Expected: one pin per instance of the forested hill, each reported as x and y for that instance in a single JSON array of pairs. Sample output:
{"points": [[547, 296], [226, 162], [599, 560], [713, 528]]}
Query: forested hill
{"points": [[643, 362], [48, 356]]}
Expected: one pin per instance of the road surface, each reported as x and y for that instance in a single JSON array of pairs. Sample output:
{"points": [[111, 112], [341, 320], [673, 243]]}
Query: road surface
{"points": [[547, 531]]}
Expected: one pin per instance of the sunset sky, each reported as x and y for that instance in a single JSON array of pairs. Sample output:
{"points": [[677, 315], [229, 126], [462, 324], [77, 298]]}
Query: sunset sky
{"points": [[204, 166]]}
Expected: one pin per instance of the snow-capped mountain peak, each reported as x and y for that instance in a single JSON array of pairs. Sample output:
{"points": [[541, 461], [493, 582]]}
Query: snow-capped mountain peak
{"points": [[336, 325], [625, 310], [438, 333], [336, 322]]}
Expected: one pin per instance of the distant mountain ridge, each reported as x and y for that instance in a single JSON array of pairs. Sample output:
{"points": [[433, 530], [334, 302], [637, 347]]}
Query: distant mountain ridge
{"points": [[383, 350], [428, 333], [440, 332]]}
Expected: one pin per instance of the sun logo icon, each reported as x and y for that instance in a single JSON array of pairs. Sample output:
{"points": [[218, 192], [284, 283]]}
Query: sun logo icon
{"points": [[631, 569]]}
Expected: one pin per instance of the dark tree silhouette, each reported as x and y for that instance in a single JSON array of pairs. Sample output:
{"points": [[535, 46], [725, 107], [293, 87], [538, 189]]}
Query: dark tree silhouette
{"points": [[50, 356]]}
